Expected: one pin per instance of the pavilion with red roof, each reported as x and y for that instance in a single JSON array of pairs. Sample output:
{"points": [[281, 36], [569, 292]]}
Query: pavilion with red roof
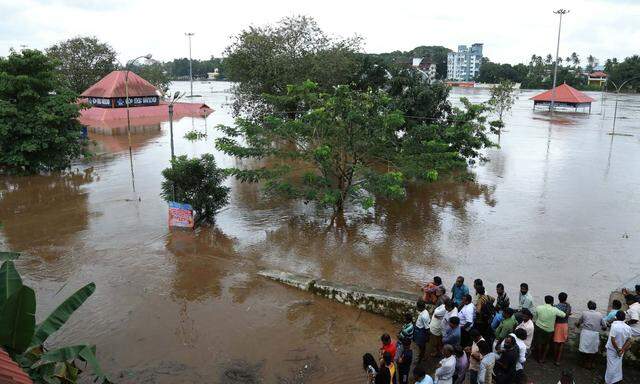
{"points": [[108, 101], [563, 96]]}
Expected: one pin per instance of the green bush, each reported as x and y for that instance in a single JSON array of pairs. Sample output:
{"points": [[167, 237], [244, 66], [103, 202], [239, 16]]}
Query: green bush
{"points": [[197, 182]]}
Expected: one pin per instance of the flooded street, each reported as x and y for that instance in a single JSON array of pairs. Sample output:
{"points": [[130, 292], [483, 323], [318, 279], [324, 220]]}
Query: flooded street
{"points": [[557, 206]]}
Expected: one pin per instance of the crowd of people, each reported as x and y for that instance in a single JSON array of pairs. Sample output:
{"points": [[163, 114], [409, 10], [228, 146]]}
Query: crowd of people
{"points": [[488, 339]]}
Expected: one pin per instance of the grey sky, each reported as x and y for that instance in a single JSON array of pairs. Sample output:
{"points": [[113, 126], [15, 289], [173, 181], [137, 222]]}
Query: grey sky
{"points": [[511, 30]]}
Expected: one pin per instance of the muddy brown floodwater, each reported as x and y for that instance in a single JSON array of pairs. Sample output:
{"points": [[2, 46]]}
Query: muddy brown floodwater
{"points": [[557, 206]]}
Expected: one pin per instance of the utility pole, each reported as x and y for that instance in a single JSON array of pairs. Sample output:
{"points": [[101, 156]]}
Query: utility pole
{"points": [[560, 12], [189, 34]]}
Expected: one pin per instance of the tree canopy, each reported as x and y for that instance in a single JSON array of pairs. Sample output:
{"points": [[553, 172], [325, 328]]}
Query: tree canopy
{"points": [[629, 69], [267, 59], [82, 61], [348, 144], [39, 130]]}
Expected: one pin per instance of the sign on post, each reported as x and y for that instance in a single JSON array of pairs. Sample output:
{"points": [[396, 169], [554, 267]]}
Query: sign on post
{"points": [[180, 215]]}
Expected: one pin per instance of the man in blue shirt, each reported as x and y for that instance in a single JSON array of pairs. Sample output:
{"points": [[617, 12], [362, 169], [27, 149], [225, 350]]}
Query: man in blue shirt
{"points": [[458, 291], [452, 335]]}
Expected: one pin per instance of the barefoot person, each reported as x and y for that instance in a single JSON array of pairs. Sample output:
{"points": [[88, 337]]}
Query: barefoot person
{"points": [[590, 322], [561, 329], [618, 343]]}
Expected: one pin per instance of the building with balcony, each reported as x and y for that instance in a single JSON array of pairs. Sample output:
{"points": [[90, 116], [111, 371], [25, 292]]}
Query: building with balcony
{"points": [[464, 65]]}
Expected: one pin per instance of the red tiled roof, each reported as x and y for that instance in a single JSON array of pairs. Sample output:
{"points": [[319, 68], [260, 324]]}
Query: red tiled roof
{"points": [[113, 85], [597, 74], [154, 114], [10, 372], [564, 94]]}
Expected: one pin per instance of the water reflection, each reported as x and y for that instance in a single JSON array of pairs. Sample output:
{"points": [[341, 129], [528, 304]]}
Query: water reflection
{"points": [[201, 262], [42, 214], [404, 237]]}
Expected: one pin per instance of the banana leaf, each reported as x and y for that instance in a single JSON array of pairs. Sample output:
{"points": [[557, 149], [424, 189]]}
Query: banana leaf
{"points": [[18, 320], [60, 315], [10, 281], [6, 256], [85, 353]]}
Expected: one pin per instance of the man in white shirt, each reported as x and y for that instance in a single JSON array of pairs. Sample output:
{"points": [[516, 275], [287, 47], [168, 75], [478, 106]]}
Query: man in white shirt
{"points": [[528, 326], [451, 311], [466, 315], [436, 330], [422, 325], [446, 369], [618, 343], [633, 315]]}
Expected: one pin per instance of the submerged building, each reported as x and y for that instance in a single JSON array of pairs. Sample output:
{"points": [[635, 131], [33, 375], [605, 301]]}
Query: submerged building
{"points": [[108, 104], [464, 65]]}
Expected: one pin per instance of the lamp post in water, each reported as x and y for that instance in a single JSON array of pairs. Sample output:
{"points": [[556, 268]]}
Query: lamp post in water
{"points": [[126, 102], [560, 12], [189, 34], [615, 109], [173, 99]]}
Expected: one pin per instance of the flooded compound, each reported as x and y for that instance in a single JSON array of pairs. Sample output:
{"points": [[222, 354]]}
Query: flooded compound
{"points": [[557, 206]]}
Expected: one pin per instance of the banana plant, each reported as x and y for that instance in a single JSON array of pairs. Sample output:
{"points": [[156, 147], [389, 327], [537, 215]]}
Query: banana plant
{"points": [[24, 340]]}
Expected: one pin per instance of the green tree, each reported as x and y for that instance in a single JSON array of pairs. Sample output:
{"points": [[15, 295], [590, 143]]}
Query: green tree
{"points": [[197, 182], [267, 59], [24, 340], [154, 73], [503, 96], [629, 69], [349, 145], [39, 130], [82, 61]]}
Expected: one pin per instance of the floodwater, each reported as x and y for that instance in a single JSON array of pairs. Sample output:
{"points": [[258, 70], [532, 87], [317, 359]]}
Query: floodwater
{"points": [[557, 206]]}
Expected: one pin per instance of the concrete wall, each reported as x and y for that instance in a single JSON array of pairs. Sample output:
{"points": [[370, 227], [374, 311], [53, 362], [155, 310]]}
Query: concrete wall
{"points": [[393, 304]]}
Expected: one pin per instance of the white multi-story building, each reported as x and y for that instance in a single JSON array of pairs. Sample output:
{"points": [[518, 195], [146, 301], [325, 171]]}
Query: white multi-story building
{"points": [[464, 65]]}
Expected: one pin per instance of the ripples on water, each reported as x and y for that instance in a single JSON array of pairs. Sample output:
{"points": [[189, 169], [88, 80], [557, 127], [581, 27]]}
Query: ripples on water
{"points": [[552, 208]]}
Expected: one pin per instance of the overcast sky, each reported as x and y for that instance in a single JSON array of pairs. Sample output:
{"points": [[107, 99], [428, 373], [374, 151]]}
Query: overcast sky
{"points": [[510, 30]]}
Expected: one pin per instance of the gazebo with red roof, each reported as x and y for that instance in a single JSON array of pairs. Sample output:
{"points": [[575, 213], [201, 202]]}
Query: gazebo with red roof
{"points": [[563, 96], [108, 101]]}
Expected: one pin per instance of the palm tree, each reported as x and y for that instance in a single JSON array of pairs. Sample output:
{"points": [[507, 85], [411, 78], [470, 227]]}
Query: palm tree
{"points": [[575, 60], [548, 60]]}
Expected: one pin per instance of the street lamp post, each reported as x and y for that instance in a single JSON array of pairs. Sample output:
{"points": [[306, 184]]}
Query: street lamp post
{"points": [[560, 12], [126, 102], [615, 109], [189, 34]]}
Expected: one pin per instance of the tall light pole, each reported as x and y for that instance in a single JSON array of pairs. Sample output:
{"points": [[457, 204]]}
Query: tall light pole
{"points": [[560, 12], [189, 34], [126, 102]]}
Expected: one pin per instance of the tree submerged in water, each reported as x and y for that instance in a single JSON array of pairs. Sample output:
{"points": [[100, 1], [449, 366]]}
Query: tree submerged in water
{"points": [[350, 145], [503, 96], [39, 130], [197, 182]]}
